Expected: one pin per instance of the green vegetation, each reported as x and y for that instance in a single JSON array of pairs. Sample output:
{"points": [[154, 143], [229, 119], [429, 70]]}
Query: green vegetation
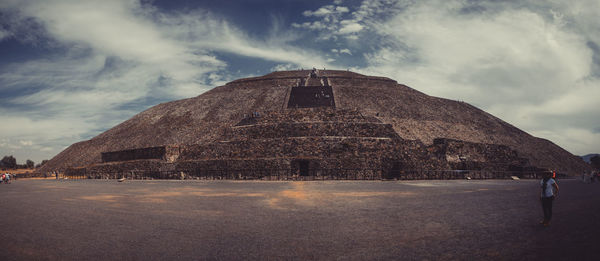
{"points": [[9, 162]]}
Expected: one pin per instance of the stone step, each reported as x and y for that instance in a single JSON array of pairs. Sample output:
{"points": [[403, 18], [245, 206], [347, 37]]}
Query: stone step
{"points": [[301, 129]]}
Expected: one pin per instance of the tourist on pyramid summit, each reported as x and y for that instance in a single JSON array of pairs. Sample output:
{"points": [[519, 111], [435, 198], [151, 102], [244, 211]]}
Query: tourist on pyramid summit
{"points": [[549, 191]]}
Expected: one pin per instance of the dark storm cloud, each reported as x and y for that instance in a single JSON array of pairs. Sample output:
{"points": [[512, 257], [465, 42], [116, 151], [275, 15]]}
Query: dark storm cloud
{"points": [[595, 72]]}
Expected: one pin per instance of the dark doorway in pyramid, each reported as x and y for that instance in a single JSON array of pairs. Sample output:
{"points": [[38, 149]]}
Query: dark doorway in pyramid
{"points": [[311, 96], [303, 166]]}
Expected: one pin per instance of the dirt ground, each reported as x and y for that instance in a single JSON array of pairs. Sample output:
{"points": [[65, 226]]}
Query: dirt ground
{"points": [[258, 220]]}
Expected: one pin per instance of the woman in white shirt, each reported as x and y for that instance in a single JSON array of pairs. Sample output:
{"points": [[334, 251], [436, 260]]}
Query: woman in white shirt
{"points": [[549, 190]]}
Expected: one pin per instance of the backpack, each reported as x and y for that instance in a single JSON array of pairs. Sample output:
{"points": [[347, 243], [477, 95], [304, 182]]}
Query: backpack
{"points": [[544, 186]]}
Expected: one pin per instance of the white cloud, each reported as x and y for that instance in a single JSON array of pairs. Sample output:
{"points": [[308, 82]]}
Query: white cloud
{"points": [[335, 21], [121, 57], [326, 11], [330, 20], [578, 140], [40, 138], [4, 34], [113, 27], [341, 51], [528, 67], [346, 51], [122, 29], [26, 142], [349, 27], [323, 11], [532, 64], [342, 9], [284, 67], [218, 35]]}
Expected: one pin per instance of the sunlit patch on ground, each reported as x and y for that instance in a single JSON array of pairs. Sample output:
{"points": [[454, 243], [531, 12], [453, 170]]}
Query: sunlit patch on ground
{"points": [[103, 198]]}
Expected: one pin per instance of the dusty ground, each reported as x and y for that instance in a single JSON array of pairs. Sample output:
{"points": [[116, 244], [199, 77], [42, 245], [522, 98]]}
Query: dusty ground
{"points": [[138, 220]]}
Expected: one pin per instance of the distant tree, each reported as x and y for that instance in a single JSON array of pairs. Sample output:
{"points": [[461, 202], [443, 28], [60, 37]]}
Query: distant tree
{"points": [[41, 164], [30, 164], [9, 162], [595, 161]]}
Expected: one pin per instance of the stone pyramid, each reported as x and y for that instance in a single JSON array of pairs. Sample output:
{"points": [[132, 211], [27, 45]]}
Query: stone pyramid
{"points": [[314, 120]]}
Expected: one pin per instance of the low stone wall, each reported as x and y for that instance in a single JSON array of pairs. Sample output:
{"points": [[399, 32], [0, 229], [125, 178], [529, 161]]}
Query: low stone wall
{"points": [[168, 153], [477, 156], [306, 115], [136, 169], [289, 148], [321, 157], [334, 157], [300, 74], [263, 154], [134, 154], [279, 169], [275, 169], [299, 129]]}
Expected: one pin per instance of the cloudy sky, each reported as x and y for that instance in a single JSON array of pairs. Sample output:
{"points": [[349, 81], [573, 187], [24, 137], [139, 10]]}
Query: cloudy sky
{"points": [[71, 69]]}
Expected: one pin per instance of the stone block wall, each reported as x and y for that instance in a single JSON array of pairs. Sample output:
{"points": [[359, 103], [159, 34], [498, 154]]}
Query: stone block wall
{"points": [[476, 156], [168, 153], [288, 148], [297, 129], [322, 114], [134, 154], [172, 153], [261, 82], [318, 158], [114, 170]]}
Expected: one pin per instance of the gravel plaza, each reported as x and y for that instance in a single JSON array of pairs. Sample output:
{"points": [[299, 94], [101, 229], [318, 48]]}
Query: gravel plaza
{"points": [[297, 220]]}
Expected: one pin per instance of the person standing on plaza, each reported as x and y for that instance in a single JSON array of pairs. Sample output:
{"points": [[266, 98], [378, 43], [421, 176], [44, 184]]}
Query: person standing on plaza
{"points": [[549, 191]]}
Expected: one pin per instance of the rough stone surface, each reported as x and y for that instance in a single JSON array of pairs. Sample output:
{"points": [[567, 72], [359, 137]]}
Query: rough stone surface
{"points": [[374, 119]]}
